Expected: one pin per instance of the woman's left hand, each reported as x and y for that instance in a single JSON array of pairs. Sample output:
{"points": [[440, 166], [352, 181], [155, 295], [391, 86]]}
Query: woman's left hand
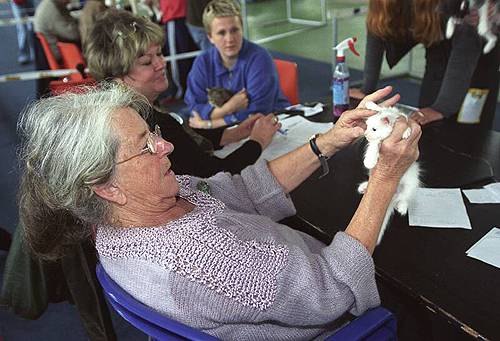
{"points": [[195, 121], [426, 115]]}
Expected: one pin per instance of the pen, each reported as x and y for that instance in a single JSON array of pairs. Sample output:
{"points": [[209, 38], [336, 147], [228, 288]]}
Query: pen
{"points": [[283, 131]]}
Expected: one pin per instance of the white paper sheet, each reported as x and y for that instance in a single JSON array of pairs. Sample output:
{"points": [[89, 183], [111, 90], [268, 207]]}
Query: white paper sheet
{"points": [[489, 194], [494, 188], [298, 131], [487, 249], [308, 111], [438, 207]]}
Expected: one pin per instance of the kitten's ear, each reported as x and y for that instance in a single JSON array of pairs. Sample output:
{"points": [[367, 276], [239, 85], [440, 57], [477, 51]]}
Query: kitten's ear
{"points": [[386, 120]]}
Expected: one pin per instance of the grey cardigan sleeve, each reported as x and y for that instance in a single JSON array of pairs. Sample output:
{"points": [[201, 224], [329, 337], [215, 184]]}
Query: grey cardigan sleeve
{"points": [[254, 191], [340, 278], [465, 52], [373, 62]]}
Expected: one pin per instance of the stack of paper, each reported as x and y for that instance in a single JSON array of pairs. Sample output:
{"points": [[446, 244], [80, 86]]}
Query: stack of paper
{"points": [[487, 249], [489, 194]]}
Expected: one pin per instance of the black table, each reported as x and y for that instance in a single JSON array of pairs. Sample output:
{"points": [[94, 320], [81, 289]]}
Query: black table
{"points": [[425, 266]]}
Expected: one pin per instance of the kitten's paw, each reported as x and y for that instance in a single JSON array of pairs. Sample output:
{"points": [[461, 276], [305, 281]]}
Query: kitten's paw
{"points": [[402, 207], [370, 163], [362, 187], [406, 133]]}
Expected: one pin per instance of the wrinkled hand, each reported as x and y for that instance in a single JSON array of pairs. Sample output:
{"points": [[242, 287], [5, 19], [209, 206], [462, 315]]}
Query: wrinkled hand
{"points": [[351, 123], [356, 93], [195, 121], [379, 95], [397, 153], [426, 115], [238, 102], [264, 130]]}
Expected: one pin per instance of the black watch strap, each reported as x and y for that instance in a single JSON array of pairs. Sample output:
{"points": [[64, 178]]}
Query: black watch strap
{"points": [[322, 158]]}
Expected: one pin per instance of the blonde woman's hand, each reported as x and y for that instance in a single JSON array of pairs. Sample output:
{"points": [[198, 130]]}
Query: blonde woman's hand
{"points": [[195, 121], [264, 129], [238, 102]]}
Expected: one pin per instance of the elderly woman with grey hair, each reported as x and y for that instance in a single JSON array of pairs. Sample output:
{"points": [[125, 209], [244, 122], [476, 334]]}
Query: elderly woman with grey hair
{"points": [[208, 253], [127, 48]]}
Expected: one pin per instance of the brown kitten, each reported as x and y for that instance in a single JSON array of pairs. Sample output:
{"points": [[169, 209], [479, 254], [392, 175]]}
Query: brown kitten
{"points": [[218, 96]]}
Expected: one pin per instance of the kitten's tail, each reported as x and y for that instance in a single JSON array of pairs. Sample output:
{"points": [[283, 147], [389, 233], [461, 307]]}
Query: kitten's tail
{"points": [[387, 219]]}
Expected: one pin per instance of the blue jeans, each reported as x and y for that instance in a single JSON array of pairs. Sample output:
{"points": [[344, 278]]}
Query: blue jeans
{"points": [[24, 42], [199, 36]]}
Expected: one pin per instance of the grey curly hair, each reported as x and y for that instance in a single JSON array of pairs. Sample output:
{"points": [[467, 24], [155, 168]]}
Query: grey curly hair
{"points": [[68, 146]]}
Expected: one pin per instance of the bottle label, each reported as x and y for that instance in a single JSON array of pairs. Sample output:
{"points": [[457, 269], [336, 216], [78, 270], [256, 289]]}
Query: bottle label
{"points": [[340, 91]]}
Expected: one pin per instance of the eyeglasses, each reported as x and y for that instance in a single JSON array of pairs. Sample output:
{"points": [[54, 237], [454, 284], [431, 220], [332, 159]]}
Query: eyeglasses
{"points": [[151, 145]]}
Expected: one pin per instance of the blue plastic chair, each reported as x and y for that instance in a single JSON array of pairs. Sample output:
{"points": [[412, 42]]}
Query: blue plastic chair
{"points": [[374, 325]]}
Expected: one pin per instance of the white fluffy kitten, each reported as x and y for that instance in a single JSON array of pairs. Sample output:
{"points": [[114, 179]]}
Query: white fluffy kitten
{"points": [[486, 25], [378, 127]]}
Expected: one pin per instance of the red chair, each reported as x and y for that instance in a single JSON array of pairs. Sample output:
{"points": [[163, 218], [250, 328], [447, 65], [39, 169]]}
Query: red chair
{"points": [[51, 60], [58, 87], [288, 74], [71, 58]]}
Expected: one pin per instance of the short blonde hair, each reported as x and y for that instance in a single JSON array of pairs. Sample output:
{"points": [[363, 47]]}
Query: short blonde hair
{"points": [[116, 40], [220, 8]]}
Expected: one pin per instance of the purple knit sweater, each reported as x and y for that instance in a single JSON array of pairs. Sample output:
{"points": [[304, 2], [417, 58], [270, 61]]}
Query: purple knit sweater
{"points": [[229, 269]]}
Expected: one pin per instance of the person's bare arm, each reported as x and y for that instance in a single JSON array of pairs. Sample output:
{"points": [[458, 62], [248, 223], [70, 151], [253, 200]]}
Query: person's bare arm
{"points": [[293, 168]]}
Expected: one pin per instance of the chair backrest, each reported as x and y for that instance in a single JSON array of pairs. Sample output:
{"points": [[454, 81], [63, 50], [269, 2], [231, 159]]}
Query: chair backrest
{"points": [[289, 79], [71, 58], [58, 87], [377, 324], [144, 318], [51, 60], [374, 325]]}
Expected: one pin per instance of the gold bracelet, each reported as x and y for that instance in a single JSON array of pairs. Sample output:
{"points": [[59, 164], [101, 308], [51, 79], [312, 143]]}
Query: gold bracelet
{"points": [[209, 124]]}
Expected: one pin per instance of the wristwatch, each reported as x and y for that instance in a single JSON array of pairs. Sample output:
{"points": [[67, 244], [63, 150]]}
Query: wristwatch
{"points": [[322, 158]]}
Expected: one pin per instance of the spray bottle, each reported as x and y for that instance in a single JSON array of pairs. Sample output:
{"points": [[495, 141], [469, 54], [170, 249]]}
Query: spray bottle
{"points": [[340, 81]]}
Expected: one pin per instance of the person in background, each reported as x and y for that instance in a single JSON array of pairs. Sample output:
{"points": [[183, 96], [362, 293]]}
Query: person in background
{"points": [[54, 21], [91, 10], [178, 41], [194, 22], [21, 10], [236, 64], [127, 48], [208, 253], [453, 66]]}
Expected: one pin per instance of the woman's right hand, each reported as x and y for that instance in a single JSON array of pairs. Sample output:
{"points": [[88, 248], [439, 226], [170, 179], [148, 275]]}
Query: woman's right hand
{"points": [[264, 130], [397, 153], [356, 93], [238, 102]]}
